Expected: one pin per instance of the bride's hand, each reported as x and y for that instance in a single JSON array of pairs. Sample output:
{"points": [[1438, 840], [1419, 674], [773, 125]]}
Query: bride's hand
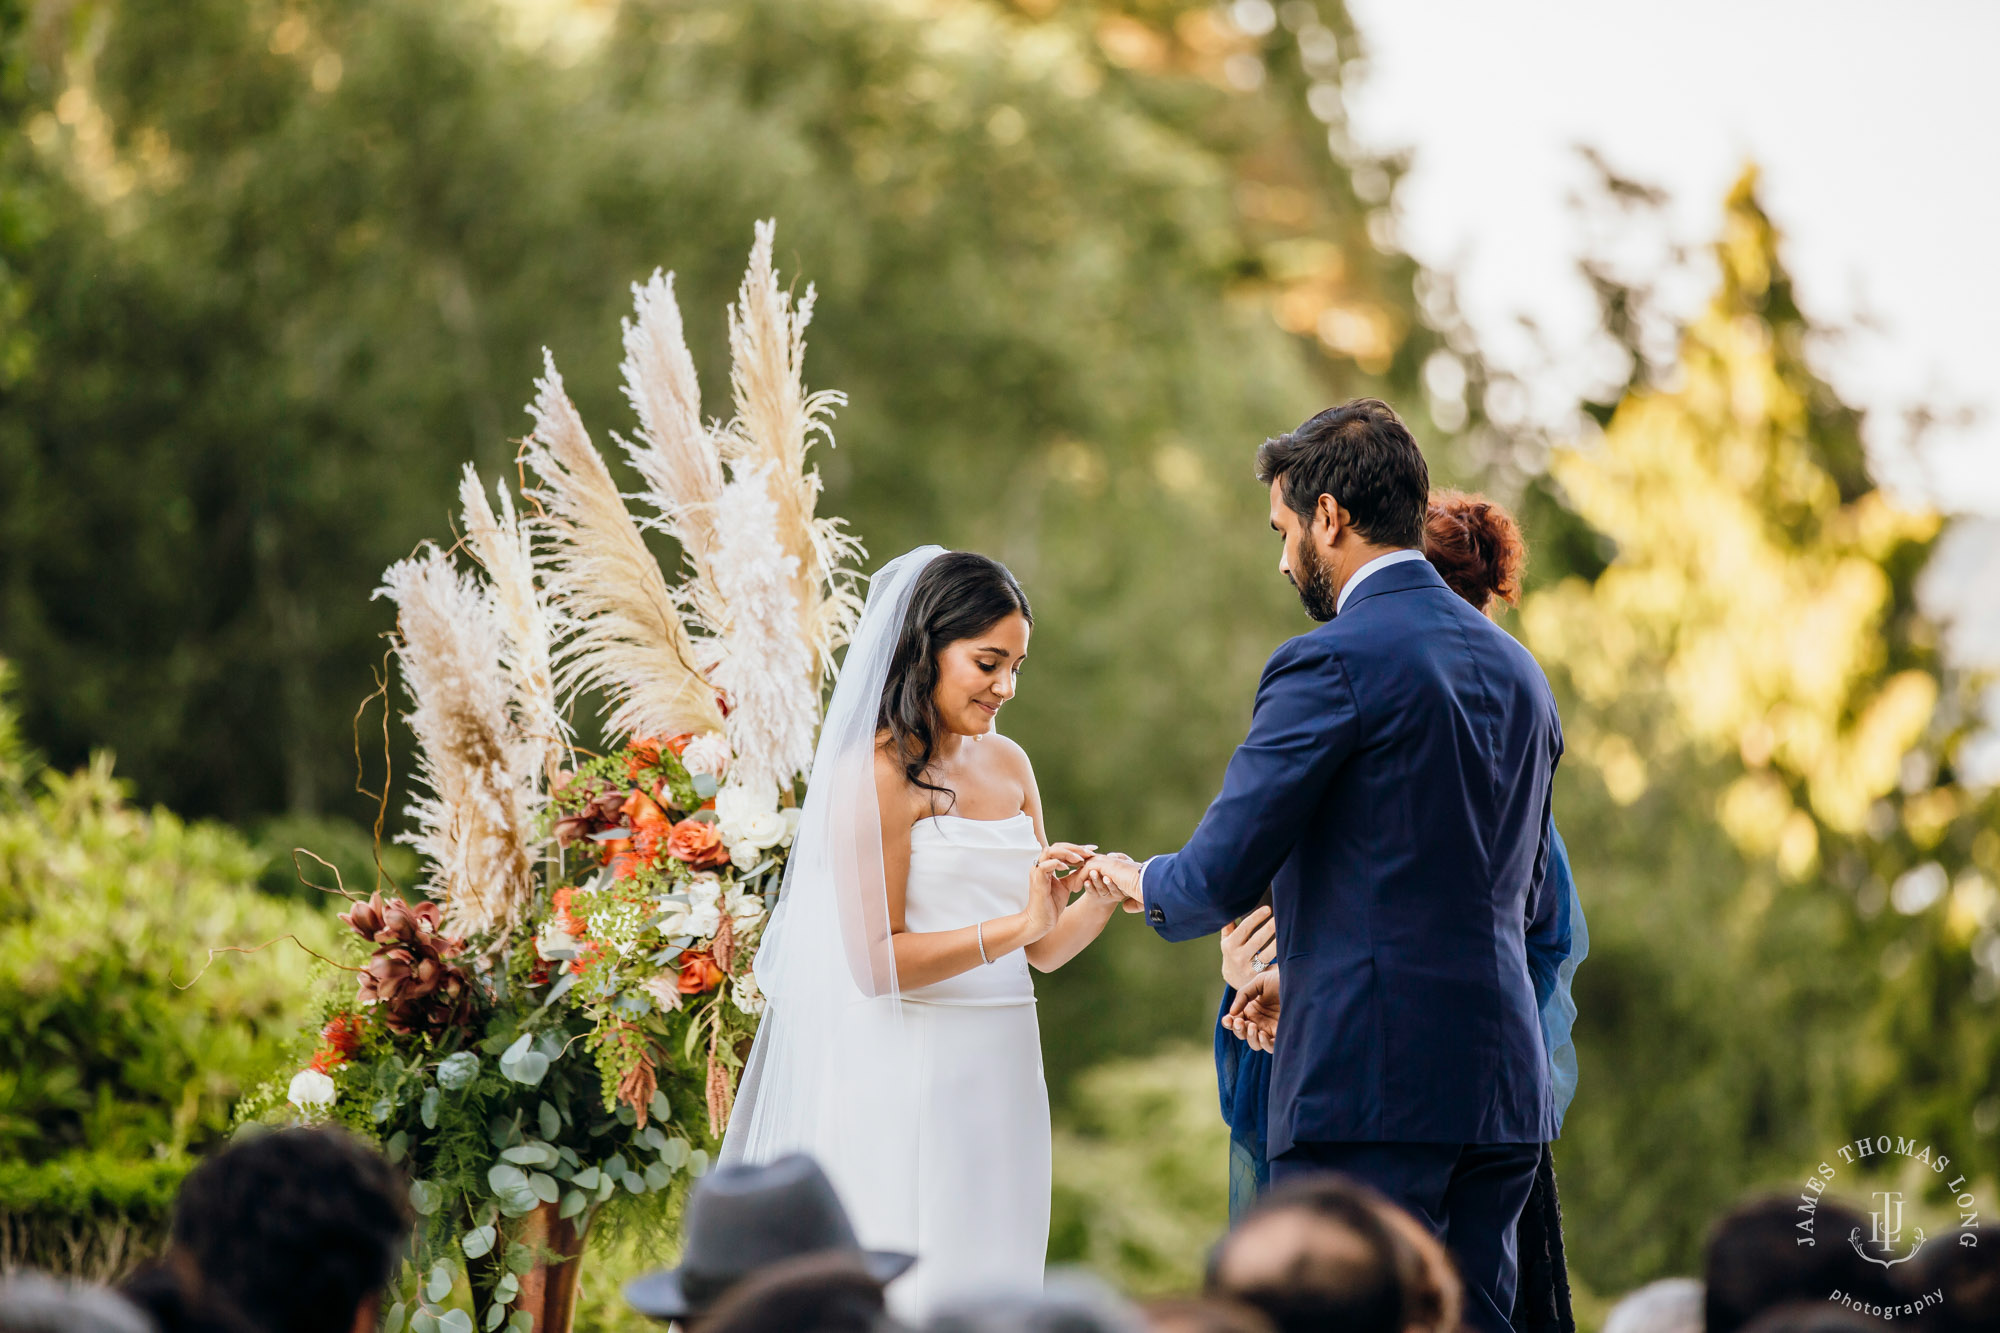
{"points": [[1048, 894]]}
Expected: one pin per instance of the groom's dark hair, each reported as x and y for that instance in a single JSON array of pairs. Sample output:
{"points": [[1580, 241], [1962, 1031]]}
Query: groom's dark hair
{"points": [[1362, 455]]}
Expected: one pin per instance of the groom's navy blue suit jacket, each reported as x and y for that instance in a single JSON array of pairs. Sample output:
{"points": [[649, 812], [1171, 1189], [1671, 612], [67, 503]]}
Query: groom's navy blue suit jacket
{"points": [[1394, 793]]}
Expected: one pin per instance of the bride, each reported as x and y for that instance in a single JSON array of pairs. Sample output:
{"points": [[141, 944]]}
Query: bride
{"points": [[900, 1046]]}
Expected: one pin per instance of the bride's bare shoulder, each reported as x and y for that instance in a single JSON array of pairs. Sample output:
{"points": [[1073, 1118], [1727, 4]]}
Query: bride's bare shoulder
{"points": [[893, 789], [1005, 750]]}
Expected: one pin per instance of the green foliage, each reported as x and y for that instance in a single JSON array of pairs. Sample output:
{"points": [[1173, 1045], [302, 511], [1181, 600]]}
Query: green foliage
{"points": [[119, 1054], [290, 267], [285, 841], [1141, 1172], [1757, 754], [87, 1214]]}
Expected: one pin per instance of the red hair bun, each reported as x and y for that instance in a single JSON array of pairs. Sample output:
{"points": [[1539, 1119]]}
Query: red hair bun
{"points": [[1476, 547]]}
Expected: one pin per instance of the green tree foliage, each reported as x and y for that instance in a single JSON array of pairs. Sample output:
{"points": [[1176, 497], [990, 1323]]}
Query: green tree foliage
{"points": [[116, 1062], [288, 266], [1142, 1172], [1756, 754]]}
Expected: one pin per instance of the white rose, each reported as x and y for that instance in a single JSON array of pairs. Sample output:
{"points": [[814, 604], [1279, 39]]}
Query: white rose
{"points": [[758, 831], [310, 1090], [555, 942], [791, 816], [743, 906], [737, 805], [701, 915], [744, 857], [707, 754]]}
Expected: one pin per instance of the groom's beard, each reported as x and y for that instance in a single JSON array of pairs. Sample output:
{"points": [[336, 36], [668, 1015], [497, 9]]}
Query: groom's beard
{"points": [[1314, 582]]}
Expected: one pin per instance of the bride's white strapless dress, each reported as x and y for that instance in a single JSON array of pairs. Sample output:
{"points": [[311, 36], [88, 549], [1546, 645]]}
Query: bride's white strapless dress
{"points": [[967, 1188]]}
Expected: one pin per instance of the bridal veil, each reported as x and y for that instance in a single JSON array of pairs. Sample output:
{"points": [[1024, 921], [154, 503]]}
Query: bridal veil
{"points": [[830, 1073]]}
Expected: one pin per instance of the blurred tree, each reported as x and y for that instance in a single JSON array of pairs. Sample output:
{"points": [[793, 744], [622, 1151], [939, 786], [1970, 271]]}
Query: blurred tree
{"points": [[1757, 752], [1141, 1172], [291, 264]]}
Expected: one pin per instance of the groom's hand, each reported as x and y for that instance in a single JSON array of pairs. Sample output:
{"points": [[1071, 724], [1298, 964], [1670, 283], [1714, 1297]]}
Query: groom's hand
{"points": [[1116, 875], [1254, 1015]]}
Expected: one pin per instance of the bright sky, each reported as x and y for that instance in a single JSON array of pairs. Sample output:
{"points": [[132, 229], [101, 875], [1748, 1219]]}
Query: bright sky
{"points": [[1875, 125]]}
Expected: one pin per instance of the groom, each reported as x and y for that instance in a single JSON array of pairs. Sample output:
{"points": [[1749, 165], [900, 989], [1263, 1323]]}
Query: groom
{"points": [[1394, 795]]}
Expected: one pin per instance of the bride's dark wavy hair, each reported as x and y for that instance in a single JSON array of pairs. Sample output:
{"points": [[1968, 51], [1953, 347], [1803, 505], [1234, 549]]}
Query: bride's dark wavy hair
{"points": [[959, 595]]}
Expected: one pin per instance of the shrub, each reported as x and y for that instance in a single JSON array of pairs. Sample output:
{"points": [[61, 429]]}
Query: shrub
{"points": [[122, 1045]]}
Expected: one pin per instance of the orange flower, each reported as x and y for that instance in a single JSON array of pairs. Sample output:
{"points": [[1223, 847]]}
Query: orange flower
{"points": [[677, 746], [644, 815], [572, 924], [641, 752], [698, 844], [326, 1062], [699, 973], [342, 1036], [588, 954]]}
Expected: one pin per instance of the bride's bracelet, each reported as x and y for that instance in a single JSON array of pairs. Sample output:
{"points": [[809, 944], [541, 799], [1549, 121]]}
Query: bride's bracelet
{"points": [[979, 934]]}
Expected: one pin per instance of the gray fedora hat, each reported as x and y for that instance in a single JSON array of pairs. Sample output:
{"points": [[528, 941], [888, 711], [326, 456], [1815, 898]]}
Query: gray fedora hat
{"points": [[741, 1219]]}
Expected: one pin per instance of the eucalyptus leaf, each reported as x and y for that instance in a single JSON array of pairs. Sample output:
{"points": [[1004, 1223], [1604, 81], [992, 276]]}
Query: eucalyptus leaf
{"points": [[548, 1120], [568, 1154], [662, 1110], [438, 1285], [425, 1197], [518, 1049], [398, 1145], [423, 1321], [658, 1176], [704, 784], [528, 1069], [572, 1204], [586, 1179], [504, 1178], [496, 1314], [652, 1138], [393, 1322], [626, 1115], [381, 1110], [676, 1153], [520, 1322], [507, 1288], [532, 1153], [634, 1182], [456, 1072], [519, 1203], [428, 1110], [605, 1187], [614, 1165], [478, 1242], [455, 1321], [545, 1187], [487, 1212], [698, 1162]]}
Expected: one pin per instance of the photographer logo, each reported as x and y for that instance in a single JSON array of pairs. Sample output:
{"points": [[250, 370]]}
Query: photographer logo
{"points": [[1889, 1242], [1887, 1232]]}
